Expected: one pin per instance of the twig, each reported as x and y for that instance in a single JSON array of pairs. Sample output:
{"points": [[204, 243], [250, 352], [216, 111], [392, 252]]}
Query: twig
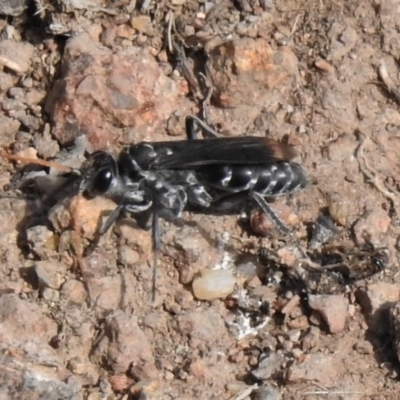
{"points": [[245, 392], [390, 85], [373, 176], [171, 22], [37, 161]]}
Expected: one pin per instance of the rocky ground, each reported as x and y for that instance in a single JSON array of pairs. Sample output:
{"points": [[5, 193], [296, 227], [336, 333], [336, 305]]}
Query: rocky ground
{"points": [[238, 313]]}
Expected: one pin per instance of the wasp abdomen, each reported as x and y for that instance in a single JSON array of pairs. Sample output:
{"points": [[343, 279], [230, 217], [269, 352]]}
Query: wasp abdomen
{"points": [[273, 179]]}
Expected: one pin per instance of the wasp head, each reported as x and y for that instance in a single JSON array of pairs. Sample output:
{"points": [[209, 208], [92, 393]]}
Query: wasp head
{"points": [[99, 175]]}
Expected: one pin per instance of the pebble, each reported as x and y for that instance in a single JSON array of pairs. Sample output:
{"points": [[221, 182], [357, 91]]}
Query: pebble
{"points": [[35, 96], [128, 83], [33, 370], [333, 308], [51, 295], [125, 347], [74, 291], [127, 255], [7, 81], [268, 366], [16, 55], [13, 7], [266, 392], [374, 296], [12, 105], [16, 92], [22, 320], [142, 24], [372, 225], [9, 128], [213, 284], [316, 367], [40, 241], [51, 274]]}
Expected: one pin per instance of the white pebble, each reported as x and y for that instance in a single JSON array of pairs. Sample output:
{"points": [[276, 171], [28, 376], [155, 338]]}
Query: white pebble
{"points": [[213, 284]]}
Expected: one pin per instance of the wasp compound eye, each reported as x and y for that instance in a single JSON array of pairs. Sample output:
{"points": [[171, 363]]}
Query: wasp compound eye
{"points": [[102, 181], [98, 174]]}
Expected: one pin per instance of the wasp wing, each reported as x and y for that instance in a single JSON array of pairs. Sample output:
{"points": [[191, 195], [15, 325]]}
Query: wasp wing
{"points": [[187, 154]]}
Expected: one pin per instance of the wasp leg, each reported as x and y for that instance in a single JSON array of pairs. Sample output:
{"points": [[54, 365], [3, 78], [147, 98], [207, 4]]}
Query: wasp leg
{"points": [[104, 228], [155, 238], [259, 199], [192, 128]]}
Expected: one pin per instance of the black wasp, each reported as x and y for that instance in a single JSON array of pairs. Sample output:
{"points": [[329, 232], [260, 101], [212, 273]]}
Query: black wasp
{"points": [[162, 178]]}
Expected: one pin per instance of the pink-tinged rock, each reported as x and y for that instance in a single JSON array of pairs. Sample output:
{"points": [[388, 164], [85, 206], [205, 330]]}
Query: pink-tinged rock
{"points": [[375, 296], [372, 226], [22, 320], [202, 327], [126, 347], [33, 370], [333, 308], [317, 367], [102, 91], [244, 71], [375, 301]]}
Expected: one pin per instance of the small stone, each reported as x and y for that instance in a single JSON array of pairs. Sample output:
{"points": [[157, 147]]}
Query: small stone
{"points": [[22, 320], [13, 7], [311, 339], [27, 83], [324, 66], [74, 291], [125, 347], [120, 382], [51, 295], [372, 227], [246, 272], [16, 55], [9, 128], [33, 370], [86, 370], [236, 386], [16, 92], [265, 392], [268, 366], [41, 241], [142, 24], [127, 255], [13, 105], [35, 96], [213, 284], [51, 274], [205, 326], [314, 367], [364, 347], [339, 209], [333, 309], [374, 296], [7, 81]]}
